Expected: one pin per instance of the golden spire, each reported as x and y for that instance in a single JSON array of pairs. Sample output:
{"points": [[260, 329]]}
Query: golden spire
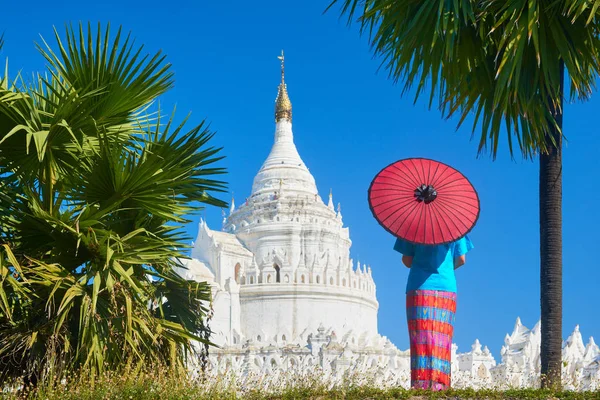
{"points": [[283, 105]]}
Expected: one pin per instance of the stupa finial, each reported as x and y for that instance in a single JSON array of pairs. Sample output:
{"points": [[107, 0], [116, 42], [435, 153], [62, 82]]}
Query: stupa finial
{"points": [[232, 206], [330, 204], [283, 105], [282, 59]]}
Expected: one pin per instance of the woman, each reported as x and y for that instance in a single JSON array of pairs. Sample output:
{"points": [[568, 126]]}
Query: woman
{"points": [[431, 307]]}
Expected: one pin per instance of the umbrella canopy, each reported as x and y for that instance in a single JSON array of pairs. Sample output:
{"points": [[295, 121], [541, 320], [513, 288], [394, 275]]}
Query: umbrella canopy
{"points": [[424, 201]]}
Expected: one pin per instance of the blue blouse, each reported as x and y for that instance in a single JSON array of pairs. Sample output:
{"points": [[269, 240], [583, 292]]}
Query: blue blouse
{"points": [[433, 266]]}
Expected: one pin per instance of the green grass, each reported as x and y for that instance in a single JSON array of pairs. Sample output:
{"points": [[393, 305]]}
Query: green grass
{"points": [[160, 383]]}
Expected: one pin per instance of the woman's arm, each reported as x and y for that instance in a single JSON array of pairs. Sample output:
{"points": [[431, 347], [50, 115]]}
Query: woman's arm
{"points": [[407, 260], [460, 261]]}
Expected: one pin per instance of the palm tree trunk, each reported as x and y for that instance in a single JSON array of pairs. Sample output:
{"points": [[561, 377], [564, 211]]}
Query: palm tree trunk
{"points": [[551, 252]]}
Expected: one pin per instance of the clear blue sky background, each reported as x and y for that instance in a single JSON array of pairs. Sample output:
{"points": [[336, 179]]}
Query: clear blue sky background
{"points": [[349, 122]]}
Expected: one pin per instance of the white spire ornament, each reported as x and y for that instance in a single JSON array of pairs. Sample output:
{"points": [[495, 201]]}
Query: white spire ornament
{"points": [[283, 105], [232, 207], [283, 161]]}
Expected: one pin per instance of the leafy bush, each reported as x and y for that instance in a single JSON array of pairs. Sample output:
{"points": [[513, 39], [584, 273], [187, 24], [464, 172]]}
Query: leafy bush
{"points": [[94, 193]]}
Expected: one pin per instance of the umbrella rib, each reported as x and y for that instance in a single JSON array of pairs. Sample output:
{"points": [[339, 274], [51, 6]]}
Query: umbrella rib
{"points": [[406, 202], [395, 180], [444, 200], [458, 209], [404, 207], [403, 175], [468, 194], [439, 176], [443, 211], [415, 179], [458, 185], [429, 176], [387, 187], [448, 183], [458, 195], [424, 175], [409, 178], [438, 221], [405, 211], [432, 229], [456, 206], [414, 239], [445, 181], [425, 209], [444, 208], [392, 189], [405, 219], [415, 171]]}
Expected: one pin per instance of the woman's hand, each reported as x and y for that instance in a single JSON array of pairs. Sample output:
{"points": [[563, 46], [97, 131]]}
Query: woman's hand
{"points": [[459, 261], [407, 260]]}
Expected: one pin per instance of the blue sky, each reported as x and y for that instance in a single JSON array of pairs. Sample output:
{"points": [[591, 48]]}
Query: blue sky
{"points": [[349, 122]]}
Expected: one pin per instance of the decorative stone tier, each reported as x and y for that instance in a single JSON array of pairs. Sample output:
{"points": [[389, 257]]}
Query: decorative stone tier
{"points": [[376, 361]]}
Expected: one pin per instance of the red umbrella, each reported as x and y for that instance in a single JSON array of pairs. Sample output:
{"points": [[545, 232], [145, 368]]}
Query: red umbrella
{"points": [[424, 201]]}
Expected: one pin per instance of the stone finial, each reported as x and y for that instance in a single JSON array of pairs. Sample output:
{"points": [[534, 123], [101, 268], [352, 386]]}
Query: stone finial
{"points": [[203, 226], [301, 262], [330, 204], [591, 350], [232, 207], [476, 347], [518, 323]]}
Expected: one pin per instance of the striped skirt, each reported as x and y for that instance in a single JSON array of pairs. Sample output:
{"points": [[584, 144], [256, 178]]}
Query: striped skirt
{"points": [[430, 315]]}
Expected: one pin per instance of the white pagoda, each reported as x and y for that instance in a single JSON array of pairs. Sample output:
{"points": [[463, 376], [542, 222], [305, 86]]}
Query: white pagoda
{"points": [[283, 280]]}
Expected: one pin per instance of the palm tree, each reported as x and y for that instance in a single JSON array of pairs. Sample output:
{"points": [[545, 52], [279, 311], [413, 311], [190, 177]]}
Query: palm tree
{"points": [[96, 186], [503, 62]]}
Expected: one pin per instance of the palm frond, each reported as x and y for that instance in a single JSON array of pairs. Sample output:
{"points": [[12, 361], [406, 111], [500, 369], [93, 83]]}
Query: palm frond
{"points": [[123, 79], [496, 61], [94, 193]]}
